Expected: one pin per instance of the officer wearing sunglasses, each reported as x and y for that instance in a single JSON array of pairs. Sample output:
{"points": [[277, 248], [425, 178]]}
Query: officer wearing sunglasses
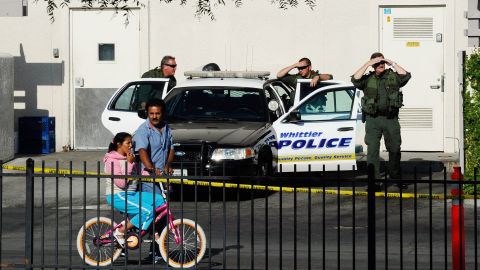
{"points": [[167, 69], [304, 67]]}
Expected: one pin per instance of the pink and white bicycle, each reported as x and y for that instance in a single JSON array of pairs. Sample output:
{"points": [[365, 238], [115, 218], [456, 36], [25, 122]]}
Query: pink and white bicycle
{"points": [[182, 241]]}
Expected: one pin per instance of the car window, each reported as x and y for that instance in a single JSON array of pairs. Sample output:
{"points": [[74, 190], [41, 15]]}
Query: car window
{"points": [[306, 89], [328, 105], [284, 93], [217, 104], [135, 95], [124, 100]]}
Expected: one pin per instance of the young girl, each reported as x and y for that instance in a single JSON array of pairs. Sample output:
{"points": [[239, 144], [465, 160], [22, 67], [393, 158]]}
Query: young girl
{"points": [[119, 160]]}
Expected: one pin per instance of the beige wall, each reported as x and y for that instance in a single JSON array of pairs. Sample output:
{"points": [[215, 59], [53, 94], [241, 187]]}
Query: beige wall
{"points": [[273, 38], [41, 81], [338, 36]]}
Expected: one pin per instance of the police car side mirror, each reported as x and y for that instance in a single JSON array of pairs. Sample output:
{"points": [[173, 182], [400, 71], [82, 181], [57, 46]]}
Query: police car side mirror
{"points": [[142, 114], [294, 116]]}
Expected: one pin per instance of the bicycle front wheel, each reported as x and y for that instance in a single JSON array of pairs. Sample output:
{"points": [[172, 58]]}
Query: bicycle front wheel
{"points": [[90, 246], [190, 250]]}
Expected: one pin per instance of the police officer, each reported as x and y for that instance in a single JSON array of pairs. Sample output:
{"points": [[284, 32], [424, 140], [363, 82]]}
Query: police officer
{"points": [[380, 105], [211, 67], [167, 69], [304, 67]]}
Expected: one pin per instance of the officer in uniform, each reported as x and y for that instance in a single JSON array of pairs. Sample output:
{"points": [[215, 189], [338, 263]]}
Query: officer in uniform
{"points": [[380, 105], [167, 69], [304, 67], [211, 67], [305, 71]]}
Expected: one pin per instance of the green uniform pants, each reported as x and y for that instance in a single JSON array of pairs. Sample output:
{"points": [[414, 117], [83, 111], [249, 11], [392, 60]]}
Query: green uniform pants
{"points": [[375, 127]]}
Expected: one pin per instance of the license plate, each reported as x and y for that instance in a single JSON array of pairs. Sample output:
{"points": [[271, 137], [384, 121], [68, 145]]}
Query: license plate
{"points": [[178, 172]]}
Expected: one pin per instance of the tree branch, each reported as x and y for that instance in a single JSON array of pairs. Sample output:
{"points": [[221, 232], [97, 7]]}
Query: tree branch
{"points": [[203, 7]]}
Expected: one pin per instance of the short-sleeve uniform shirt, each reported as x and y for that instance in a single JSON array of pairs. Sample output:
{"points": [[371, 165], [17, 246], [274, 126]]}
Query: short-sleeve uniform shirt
{"points": [[156, 143]]}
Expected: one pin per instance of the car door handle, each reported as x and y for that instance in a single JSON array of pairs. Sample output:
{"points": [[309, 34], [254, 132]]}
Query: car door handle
{"points": [[113, 118], [435, 86], [345, 129]]}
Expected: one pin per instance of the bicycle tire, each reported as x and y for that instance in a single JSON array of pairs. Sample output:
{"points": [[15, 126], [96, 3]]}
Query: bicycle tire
{"points": [[90, 252], [187, 256]]}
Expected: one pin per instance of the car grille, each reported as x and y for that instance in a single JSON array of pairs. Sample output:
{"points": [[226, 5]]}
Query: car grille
{"points": [[193, 152], [188, 153]]}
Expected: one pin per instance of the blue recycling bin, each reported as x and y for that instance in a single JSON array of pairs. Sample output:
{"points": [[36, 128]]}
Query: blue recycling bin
{"points": [[36, 135]]}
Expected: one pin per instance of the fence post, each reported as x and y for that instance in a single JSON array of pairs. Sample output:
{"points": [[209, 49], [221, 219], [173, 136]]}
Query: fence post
{"points": [[29, 214], [371, 218], [458, 234]]}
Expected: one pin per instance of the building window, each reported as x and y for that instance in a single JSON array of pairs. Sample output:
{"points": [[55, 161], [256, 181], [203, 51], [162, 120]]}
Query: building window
{"points": [[106, 52]]}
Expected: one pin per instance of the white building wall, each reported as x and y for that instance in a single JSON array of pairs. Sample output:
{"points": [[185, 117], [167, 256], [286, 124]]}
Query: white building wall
{"points": [[338, 36], [11, 8], [41, 81]]}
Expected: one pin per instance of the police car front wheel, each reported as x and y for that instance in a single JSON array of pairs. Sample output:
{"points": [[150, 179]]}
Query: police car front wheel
{"points": [[264, 167]]}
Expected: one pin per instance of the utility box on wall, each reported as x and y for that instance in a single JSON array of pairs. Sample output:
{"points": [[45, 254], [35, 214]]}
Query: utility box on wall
{"points": [[36, 135], [7, 149]]}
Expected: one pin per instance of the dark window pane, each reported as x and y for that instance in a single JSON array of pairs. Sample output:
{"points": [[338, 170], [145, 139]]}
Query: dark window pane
{"points": [[135, 95], [106, 52]]}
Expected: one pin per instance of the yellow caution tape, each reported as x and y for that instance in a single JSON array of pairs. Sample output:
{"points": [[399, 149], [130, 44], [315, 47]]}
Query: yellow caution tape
{"points": [[247, 186]]}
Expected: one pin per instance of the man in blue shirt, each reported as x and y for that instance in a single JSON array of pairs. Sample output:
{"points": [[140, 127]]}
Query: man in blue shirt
{"points": [[153, 142]]}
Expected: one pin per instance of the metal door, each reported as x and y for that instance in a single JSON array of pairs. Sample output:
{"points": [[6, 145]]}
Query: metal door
{"points": [[104, 55], [414, 37]]}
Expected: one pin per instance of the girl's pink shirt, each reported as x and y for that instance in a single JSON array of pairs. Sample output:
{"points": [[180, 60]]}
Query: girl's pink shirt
{"points": [[118, 162]]}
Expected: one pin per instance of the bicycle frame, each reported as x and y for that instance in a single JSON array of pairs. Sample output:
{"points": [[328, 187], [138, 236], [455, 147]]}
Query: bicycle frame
{"points": [[160, 212]]}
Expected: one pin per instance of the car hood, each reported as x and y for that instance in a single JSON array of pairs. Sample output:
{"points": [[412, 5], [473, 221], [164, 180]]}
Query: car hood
{"points": [[235, 134]]}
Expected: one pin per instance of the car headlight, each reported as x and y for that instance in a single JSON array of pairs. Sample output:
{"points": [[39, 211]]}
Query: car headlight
{"points": [[232, 153]]}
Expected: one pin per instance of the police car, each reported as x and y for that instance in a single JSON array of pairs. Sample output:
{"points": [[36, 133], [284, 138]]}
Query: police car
{"points": [[241, 123]]}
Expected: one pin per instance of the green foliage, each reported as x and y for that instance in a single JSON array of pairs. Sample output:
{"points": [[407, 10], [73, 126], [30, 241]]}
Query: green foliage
{"points": [[203, 7], [471, 115]]}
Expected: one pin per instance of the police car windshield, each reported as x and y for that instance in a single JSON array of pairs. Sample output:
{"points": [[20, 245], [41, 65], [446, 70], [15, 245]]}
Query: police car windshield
{"points": [[216, 104]]}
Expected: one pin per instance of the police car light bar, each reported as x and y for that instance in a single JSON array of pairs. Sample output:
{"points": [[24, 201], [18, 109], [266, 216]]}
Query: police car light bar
{"points": [[228, 74]]}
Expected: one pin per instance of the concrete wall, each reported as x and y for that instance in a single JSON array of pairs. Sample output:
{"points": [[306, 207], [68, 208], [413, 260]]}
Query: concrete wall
{"points": [[11, 8], [90, 132], [41, 83], [6, 103]]}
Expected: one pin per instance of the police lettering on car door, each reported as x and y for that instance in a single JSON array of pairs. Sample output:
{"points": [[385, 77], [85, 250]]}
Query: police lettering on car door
{"points": [[296, 142]]}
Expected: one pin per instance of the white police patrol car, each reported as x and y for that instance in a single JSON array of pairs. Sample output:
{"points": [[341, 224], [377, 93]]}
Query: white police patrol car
{"points": [[241, 123]]}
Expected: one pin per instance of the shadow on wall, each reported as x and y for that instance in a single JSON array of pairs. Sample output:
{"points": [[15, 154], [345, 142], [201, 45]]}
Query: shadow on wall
{"points": [[27, 77]]}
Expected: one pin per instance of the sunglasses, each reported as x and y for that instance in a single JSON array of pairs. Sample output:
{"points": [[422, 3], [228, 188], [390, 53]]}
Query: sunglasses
{"points": [[302, 68], [172, 66], [378, 64]]}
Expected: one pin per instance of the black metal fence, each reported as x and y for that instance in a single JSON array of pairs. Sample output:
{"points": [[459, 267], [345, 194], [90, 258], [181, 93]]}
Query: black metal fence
{"points": [[311, 221]]}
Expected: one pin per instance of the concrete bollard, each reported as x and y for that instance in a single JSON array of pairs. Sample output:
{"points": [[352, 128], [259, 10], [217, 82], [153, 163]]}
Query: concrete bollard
{"points": [[7, 143]]}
